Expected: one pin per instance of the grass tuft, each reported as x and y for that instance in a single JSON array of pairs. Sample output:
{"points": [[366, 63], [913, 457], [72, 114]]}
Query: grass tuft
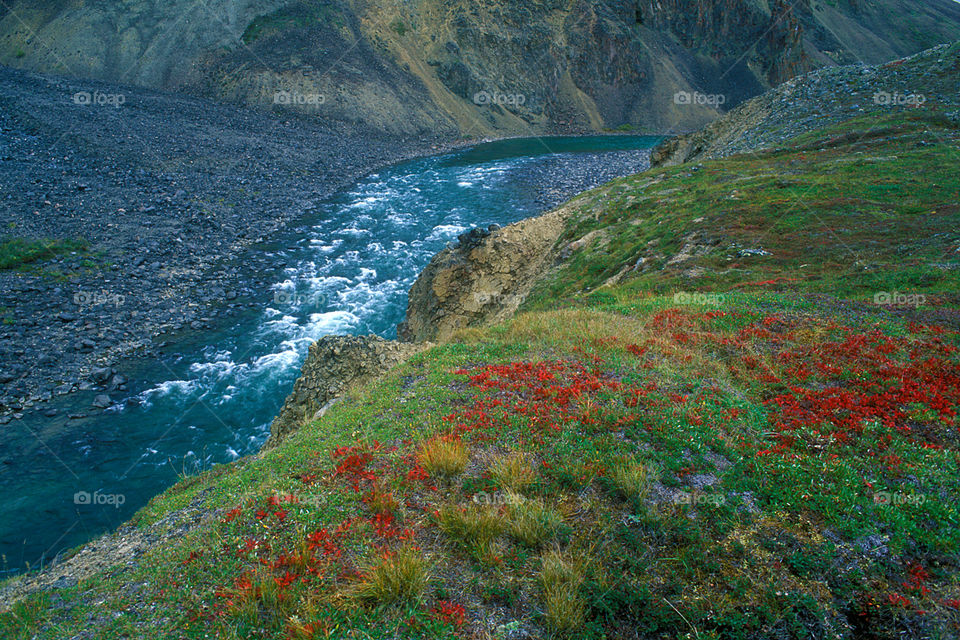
{"points": [[532, 522], [564, 606], [383, 502], [476, 526], [513, 472], [398, 576], [444, 457], [631, 480]]}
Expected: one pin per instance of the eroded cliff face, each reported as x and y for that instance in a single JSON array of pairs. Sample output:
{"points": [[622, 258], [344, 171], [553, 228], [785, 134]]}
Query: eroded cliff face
{"points": [[334, 365], [150, 43], [482, 279], [467, 68]]}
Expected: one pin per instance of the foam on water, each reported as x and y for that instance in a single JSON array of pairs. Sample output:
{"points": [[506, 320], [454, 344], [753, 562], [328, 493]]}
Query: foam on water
{"points": [[170, 388], [445, 231]]}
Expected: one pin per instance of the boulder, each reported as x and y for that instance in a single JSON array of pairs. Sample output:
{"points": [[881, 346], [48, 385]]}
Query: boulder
{"points": [[482, 279]]}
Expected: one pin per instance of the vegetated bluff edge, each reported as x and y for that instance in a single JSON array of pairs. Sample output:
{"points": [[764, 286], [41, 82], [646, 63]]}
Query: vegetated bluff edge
{"points": [[719, 401]]}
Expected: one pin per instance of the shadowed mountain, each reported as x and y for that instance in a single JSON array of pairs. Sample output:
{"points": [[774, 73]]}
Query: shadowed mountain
{"points": [[465, 68]]}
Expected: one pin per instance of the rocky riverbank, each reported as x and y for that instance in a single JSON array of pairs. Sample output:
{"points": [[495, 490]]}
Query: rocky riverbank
{"points": [[166, 190]]}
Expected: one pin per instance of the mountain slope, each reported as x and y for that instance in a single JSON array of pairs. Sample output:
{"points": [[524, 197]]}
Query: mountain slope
{"points": [[812, 101], [728, 408], [464, 68]]}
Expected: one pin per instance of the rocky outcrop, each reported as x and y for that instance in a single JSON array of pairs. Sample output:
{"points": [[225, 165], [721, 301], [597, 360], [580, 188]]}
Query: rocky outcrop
{"points": [[712, 140], [334, 365], [481, 279]]}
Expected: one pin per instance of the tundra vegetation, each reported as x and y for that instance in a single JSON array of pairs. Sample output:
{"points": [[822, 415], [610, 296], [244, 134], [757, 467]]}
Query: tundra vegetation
{"points": [[731, 414]]}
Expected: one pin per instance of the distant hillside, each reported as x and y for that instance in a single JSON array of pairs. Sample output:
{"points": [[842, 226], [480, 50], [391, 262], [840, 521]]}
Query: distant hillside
{"points": [[464, 68], [930, 79]]}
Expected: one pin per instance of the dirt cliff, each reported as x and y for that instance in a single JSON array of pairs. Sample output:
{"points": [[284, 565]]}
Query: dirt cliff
{"points": [[334, 365]]}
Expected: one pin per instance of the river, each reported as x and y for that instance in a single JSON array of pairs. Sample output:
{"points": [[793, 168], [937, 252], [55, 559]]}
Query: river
{"points": [[210, 397]]}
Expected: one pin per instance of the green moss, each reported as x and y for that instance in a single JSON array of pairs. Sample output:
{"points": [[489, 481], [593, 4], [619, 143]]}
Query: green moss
{"points": [[17, 252]]}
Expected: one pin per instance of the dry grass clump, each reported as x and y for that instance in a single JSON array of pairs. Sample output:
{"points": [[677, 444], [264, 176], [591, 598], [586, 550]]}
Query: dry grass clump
{"points": [[382, 502], [530, 521], [444, 457], [397, 576], [631, 479], [476, 526], [564, 606], [513, 472]]}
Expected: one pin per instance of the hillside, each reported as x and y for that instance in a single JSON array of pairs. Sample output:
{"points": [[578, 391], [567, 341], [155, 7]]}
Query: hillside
{"points": [[726, 408], [467, 69], [818, 99]]}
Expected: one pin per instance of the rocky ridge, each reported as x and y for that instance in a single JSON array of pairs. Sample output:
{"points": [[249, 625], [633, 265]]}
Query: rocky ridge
{"points": [[820, 98], [467, 68]]}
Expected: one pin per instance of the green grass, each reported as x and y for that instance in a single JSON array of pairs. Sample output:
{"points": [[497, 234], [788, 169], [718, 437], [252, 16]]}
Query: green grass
{"points": [[645, 462], [297, 15], [399, 27], [18, 252], [866, 206]]}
